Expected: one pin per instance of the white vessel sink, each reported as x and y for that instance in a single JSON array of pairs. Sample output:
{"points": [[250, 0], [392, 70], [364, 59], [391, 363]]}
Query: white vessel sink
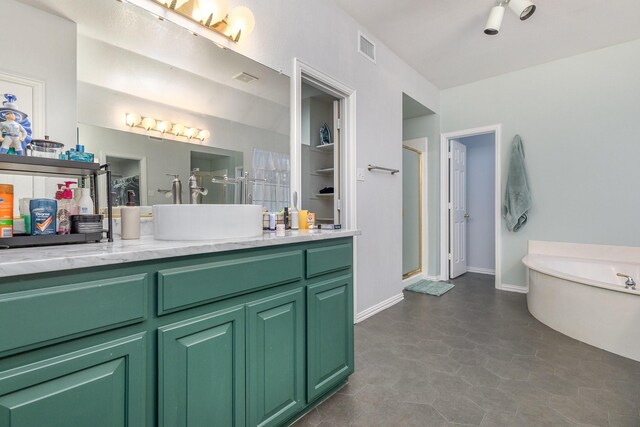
{"points": [[206, 222]]}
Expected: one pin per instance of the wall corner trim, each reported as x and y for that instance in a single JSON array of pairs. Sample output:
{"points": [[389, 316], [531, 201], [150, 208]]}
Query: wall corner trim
{"points": [[514, 288], [381, 306]]}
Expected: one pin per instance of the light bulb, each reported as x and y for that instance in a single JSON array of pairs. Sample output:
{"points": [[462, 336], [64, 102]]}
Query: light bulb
{"points": [[133, 119], [203, 134], [148, 123], [241, 20], [190, 132], [212, 11], [177, 129], [163, 126]]}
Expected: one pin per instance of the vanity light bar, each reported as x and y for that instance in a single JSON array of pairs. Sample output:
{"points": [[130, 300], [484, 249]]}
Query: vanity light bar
{"points": [[163, 126]]}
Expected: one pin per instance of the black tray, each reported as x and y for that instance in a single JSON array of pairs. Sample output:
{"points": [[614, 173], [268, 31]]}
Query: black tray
{"points": [[49, 240]]}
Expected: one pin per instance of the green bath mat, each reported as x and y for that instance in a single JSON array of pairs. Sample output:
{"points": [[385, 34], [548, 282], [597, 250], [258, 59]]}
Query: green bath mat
{"points": [[430, 288]]}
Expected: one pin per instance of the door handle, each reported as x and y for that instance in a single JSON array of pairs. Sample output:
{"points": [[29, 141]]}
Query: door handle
{"points": [[466, 216]]}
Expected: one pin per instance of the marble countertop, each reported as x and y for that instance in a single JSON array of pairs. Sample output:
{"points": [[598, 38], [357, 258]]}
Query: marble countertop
{"points": [[15, 262]]}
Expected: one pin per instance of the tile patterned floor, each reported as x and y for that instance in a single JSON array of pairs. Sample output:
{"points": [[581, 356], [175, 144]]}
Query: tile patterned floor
{"points": [[475, 356]]}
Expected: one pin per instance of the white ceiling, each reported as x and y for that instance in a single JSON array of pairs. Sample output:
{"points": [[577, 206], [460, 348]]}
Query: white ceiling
{"points": [[444, 39]]}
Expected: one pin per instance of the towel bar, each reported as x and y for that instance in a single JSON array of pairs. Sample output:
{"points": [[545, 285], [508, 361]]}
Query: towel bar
{"points": [[393, 171]]}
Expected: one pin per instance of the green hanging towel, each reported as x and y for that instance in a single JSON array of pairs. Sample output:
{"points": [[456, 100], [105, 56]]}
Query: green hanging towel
{"points": [[517, 197]]}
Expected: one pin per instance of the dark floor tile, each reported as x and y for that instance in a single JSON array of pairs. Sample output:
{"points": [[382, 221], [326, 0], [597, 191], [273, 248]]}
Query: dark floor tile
{"points": [[475, 356]]}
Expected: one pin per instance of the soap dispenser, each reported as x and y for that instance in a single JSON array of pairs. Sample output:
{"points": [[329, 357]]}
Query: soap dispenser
{"points": [[130, 218]]}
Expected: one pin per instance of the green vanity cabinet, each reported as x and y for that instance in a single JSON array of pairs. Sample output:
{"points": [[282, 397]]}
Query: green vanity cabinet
{"points": [[275, 358], [201, 370], [103, 385], [244, 338], [329, 334]]}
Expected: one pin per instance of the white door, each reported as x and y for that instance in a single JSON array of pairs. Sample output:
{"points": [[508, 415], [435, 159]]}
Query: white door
{"points": [[457, 209]]}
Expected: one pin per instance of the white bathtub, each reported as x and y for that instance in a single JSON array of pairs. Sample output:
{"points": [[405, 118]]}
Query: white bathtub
{"points": [[574, 289]]}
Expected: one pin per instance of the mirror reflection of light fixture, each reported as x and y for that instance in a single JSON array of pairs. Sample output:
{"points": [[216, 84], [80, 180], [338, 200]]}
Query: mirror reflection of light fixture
{"points": [[133, 119], [164, 126], [522, 8], [213, 15], [148, 123], [203, 134], [177, 129]]}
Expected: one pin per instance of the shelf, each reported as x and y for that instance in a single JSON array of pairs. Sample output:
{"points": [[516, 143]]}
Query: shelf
{"points": [[325, 171], [48, 240], [324, 195], [324, 147], [44, 166]]}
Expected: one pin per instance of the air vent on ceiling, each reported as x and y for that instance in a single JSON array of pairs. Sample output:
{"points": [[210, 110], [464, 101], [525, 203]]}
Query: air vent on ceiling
{"points": [[366, 47], [245, 77]]}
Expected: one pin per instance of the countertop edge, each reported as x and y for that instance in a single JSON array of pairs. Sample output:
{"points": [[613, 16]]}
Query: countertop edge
{"points": [[19, 262]]}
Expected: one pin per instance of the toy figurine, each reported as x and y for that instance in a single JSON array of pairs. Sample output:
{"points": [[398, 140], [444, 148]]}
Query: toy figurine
{"points": [[15, 127], [12, 134]]}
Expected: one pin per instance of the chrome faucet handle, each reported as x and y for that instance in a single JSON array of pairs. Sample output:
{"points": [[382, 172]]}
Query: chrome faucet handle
{"points": [[194, 170], [629, 283], [174, 175]]}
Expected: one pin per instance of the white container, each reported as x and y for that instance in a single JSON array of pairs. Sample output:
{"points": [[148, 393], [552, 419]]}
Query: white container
{"points": [[130, 222], [85, 202]]}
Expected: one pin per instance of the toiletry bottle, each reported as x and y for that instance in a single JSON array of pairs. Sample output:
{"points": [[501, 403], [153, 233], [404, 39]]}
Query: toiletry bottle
{"points": [[130, 218], [25, 213], [286, 218], [43, 216], [74, 206], [294, 212], [6, 210], [303, 219], [273, 218], [85, 202], [64, 215]]}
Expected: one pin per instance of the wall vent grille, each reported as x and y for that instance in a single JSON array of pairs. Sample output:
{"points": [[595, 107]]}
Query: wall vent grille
{"points": [[366, 47]]}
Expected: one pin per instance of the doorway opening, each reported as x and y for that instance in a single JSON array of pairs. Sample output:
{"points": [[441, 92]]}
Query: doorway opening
{"points": [[470, 203], [412, 166], [341, 167], [416, 126]]}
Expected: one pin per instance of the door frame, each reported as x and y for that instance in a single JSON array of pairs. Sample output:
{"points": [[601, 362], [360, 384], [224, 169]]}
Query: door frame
{"points": [[444, 196], [303, 72], [421, 211]]}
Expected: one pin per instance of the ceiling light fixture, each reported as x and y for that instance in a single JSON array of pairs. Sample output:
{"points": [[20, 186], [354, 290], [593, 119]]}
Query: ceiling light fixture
{"points": [[522, 8], [163, 126], [213, 15]]}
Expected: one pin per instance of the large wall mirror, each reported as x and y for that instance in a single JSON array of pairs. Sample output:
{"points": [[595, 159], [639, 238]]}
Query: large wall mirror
{"points": [[129, 61]]}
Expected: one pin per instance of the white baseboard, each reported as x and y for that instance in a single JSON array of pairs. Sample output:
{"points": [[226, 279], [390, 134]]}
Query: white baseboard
{"points": [[365, 314], [434, 278], [514, 288], [481, 270]]}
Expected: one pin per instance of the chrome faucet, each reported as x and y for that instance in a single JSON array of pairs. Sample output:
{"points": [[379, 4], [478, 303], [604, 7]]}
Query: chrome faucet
{"points": [[176, 189], [246, 180], [245, 197], [630, 283], [195, 190]]}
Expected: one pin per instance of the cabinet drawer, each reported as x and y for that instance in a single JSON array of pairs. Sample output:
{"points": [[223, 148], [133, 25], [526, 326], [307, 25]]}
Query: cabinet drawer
{"points": [[329, 259], [203, 283], [41, 315], [102, 385]]}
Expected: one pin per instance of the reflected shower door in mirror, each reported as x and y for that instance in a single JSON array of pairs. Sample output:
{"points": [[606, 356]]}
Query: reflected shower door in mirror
{"points": [[129, 61]]}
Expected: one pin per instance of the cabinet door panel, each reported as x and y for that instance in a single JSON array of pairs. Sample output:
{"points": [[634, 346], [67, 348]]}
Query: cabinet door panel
{"points": [[329, 335], [202, 370], [99, 386], [275, 358]]}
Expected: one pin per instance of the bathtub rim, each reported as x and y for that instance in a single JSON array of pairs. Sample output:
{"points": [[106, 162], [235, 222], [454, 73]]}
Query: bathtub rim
{"points": [[532, 262]]}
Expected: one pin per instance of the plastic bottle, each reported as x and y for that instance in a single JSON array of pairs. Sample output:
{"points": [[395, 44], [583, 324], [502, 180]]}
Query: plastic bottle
{"points": [[85, 202], [64, 212]]}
